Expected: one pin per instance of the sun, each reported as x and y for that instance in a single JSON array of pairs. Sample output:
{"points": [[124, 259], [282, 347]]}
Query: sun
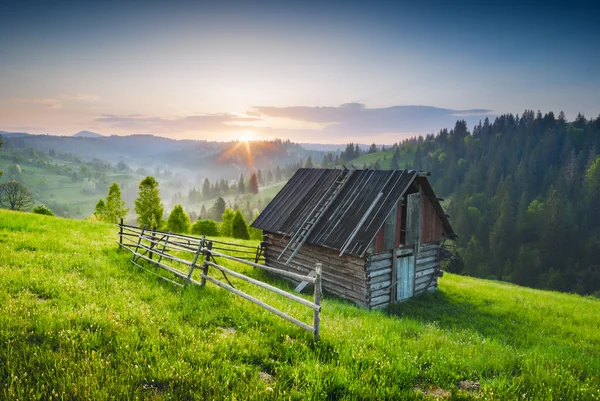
{"points": [[247, 136]]}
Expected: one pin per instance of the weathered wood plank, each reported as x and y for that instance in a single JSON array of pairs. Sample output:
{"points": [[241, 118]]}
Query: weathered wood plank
{"points": [[421, 261], [383, 291], [381, 256], [380, 272], [426, 254], [427, 272], [420, 268], [404, 251], [381, 299], [383, 284], [379, 279], [381, 264]]}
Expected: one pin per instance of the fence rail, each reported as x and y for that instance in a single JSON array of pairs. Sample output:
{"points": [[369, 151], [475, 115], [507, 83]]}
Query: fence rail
{"points": [[171, 248]]}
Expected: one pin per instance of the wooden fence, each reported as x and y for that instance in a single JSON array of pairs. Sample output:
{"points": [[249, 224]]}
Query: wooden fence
{"points": [[168, 251]]}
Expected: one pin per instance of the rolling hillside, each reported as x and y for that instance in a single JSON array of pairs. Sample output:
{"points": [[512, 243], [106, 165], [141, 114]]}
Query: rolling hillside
{"points": [[79, 321]]}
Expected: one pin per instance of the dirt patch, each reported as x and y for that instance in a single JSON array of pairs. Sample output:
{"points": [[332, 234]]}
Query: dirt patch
{"points": [[436, 392], [265, 377], [469, 385]]}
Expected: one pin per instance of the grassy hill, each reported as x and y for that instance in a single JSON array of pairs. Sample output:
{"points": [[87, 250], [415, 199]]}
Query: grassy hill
{"points": [[384, 159], [79, 321]]}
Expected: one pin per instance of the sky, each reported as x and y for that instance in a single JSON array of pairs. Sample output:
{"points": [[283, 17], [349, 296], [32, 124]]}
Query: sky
{"points": [[328, 72]]}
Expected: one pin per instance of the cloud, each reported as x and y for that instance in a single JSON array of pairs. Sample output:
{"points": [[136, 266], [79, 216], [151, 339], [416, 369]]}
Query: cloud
{"points": [[355, 119], [195, 123], [84, 97], [48, 102]]}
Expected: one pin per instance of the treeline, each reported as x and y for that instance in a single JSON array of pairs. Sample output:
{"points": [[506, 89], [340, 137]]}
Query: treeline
{"points": [[150, 213], [525, 197]]}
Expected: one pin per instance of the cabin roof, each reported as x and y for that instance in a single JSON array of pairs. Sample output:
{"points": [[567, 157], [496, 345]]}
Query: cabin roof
{"points": [[289, 209]]}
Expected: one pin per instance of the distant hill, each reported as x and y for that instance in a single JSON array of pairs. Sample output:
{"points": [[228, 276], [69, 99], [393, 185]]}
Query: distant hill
{"points": [[88, 134]]}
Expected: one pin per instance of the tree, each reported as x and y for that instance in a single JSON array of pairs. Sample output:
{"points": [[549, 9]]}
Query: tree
{"points": [[205, 227], [241, 185], [206, 191], [178, 221], [217, 209], [15, 196], [253, 185], [114, 209], [309, 162], [148, 206], [99, 210], [42, 209], [239, 227], [0, 147], [227, 223]]}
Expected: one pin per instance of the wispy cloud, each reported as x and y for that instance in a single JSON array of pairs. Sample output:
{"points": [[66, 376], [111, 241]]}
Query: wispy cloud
{"points": [[194, 123], [84, 97], [357, 120], [48, 102]]}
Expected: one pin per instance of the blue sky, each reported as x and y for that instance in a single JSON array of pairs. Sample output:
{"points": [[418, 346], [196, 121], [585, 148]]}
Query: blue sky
{"points": [[225, 70]]}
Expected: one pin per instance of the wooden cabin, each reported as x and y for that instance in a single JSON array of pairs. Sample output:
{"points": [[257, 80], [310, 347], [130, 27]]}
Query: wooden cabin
{"points": [[377, 233]]}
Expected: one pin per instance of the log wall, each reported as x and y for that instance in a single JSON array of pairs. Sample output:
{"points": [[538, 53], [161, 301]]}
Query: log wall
{"points": [[427, 268], [343, 276]]}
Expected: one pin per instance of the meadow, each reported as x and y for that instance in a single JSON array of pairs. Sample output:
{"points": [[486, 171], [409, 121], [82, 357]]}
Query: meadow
{"points": [[79, 321]]}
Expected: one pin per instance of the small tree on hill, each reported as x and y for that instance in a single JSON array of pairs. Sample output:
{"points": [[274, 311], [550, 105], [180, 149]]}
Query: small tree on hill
{"points": [[99, 210], [253, 185], [205, 227], [148, 206], [114, 209], [15, 196], [239, 227], [309, 162], [227, 223], [217, 209], [178, 221], [42, 209]]}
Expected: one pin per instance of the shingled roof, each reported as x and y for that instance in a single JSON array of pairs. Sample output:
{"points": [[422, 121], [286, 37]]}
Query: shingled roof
{"points": [[288, 210]]}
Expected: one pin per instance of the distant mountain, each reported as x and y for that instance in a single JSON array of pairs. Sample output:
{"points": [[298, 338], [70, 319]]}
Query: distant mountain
{"points": [[88, 134], [12, 134]]}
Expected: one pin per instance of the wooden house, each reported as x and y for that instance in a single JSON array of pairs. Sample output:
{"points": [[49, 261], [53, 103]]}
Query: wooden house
{"points": [[378, 234]]}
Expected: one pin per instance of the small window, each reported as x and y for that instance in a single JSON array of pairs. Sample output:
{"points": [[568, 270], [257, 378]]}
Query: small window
{"points": [[389, 234]]}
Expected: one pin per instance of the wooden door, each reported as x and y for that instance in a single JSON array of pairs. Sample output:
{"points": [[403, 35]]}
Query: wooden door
{"points": [[405, 267]]}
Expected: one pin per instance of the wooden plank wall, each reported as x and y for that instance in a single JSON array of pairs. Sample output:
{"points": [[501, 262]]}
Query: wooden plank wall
{"points": [[344, 276], [380, 277], [426, 269], [431, 225]]}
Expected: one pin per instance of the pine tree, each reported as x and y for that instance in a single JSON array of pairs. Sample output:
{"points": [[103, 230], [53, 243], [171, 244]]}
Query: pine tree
{"points": [[309, 162], [178, 221], [99, 210], [114, 209], [253, 184], [239, 227], [241, 185], [217, 209], [206, 191], [227, 223], [148, 206]]}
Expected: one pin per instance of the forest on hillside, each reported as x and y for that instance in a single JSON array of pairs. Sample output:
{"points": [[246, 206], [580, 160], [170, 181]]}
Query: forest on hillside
{"points": [[525, 198]]}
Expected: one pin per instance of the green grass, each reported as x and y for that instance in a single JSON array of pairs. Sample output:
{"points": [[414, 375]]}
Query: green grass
{"points": [[79, 321]]}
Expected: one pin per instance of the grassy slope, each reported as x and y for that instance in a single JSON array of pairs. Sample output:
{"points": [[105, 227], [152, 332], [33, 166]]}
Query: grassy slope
{"points": [[61, 189], [79, 322]]}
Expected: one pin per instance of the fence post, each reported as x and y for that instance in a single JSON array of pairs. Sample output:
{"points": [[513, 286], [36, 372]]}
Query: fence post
{"points": [[138, 243], [198, 252], [121, 234], [162, 252], [206, 260], [153, 239], [317, 313]]}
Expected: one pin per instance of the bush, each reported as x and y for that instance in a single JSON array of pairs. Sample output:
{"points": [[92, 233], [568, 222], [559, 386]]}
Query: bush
{"points": [[205, 227], [178, 221], [41, 209], [227, 223]]}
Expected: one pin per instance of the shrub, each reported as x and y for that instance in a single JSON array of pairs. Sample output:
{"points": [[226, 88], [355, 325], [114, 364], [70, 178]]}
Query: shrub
{"points": [[205, 227], [178, 221], [42, 209], [227, 223]]}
